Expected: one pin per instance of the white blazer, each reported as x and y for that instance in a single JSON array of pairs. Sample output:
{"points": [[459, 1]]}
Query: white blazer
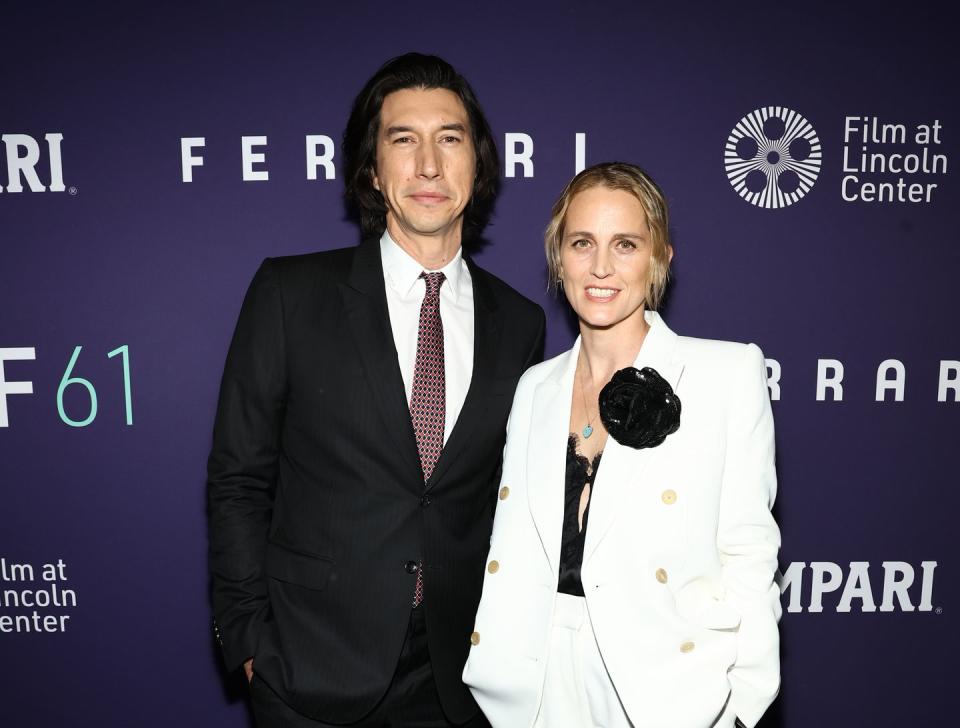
{"points": [[680, 552]]}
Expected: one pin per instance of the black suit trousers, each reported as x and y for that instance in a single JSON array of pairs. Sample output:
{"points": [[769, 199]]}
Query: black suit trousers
{"points": [[411, 701]]}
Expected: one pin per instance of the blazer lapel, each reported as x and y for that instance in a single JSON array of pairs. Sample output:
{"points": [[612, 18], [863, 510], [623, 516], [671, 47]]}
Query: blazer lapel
{"points": [[621, 467], [546, 455], [487, 324], [365, 305]]}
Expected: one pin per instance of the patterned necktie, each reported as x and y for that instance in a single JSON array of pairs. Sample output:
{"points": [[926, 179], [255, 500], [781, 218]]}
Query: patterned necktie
{"points": [[428, 400]]}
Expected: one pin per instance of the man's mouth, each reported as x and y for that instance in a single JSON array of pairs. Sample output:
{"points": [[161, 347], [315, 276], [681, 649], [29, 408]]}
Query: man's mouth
{"points": [[428, 197]]}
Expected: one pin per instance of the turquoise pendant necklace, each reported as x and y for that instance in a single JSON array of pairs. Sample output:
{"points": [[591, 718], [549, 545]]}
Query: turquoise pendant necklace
{"points": [[588, 428]]}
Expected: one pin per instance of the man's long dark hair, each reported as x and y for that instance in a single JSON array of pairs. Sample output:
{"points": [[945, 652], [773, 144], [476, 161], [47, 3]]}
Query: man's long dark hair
{"points": [[414, 70]]}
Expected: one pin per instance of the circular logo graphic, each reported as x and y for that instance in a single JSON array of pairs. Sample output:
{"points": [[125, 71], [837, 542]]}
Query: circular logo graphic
{"points": [[772, 157]]}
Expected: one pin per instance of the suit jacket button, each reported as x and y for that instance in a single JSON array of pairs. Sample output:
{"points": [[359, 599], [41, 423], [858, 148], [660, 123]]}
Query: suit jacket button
{"points": [[661, 576], [475, 638], [424, 500], [410, 567], [669, 497], [493, 567], [504, 492], [687, 647]]}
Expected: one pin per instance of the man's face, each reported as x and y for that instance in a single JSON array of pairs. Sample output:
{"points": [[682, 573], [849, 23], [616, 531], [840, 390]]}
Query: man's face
{"points": [[426, 163]]}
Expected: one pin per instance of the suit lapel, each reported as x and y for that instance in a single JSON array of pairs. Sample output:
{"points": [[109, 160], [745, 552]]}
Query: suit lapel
{"points": [[546, 456], [621, 467], [487, 325], [365, 306]]}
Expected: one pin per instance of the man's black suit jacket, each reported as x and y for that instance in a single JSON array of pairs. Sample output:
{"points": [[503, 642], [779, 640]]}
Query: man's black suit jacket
{"points": [[316, 496]]}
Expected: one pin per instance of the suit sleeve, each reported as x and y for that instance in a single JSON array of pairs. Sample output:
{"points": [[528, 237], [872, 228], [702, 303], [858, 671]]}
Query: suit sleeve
{"points": [[242, 468], [534, 356], [748, 540]]}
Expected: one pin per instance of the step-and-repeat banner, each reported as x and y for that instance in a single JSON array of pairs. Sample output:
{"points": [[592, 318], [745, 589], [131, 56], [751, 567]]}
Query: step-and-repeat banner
{"points": [[152, 156]]}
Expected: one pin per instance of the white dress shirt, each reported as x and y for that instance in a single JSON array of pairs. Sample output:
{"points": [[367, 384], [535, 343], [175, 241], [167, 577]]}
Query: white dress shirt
{"points": [[405, 292]]}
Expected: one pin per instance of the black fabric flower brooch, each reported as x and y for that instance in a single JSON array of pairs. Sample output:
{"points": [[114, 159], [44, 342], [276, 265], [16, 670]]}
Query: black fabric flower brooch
{"points": [[639, 408]]}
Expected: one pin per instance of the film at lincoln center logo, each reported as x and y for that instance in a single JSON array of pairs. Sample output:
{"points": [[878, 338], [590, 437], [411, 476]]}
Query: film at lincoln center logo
{"points": [[772, 157]]}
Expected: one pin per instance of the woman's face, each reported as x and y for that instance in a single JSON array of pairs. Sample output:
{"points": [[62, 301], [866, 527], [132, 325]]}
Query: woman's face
{"points": [[605, 256]]}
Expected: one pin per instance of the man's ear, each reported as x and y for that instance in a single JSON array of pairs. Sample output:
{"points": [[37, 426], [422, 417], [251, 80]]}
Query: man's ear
{"points": [[374, 180]]}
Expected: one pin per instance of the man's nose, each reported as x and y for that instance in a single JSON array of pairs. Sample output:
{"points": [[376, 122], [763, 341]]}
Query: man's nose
{"points": [[428, 162]]}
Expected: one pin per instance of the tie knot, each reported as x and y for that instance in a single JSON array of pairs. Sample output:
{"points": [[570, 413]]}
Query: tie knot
{"points": [[433, 281]]}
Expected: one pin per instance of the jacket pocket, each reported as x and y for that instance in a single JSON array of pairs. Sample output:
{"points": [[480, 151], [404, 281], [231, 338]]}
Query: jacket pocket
{"points": [[699, 604], [296, 567]]}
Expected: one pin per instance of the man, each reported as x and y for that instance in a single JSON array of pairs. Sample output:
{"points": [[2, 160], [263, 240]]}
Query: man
{"points": [[360, 426]]}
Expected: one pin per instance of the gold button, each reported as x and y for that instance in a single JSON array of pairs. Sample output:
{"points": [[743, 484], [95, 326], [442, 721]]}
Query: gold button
{"points": [[493, 567], [475, 638], [661, 576], [504, 492], [684, 648], [669, 497]]}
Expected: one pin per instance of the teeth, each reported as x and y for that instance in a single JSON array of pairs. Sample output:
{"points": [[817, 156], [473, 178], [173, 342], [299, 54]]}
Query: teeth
{"points": [[601, 292]]}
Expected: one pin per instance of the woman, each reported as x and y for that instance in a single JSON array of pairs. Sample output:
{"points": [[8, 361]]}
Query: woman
{"points": [[630, 574]]}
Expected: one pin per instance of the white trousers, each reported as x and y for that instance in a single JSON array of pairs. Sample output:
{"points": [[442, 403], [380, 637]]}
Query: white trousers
{"points": [[577, 690]]}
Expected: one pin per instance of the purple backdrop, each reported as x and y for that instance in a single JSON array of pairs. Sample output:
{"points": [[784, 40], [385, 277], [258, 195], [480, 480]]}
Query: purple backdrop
{"points": [[127, 254]]}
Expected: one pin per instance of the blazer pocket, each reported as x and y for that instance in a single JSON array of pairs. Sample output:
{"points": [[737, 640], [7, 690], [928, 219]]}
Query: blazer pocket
{"points": [[296, 567], [696, 604], [718, 616]]}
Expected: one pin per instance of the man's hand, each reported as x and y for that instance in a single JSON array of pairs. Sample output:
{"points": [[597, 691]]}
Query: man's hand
{"points": [[248, 669]]}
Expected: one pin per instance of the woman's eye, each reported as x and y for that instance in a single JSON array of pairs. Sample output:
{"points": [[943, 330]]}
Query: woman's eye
{"points": [[581, 243], [626, 244]]}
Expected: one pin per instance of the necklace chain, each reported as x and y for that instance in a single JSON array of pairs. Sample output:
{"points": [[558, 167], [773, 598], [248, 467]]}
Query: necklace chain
{"points": [[588, 428]]}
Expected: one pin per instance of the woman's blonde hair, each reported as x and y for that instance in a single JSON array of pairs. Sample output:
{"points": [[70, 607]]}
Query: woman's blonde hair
{"points": [[629, 178]]}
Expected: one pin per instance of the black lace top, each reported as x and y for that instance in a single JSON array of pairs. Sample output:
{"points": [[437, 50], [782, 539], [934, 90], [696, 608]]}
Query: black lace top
{"points": [[580, 473]]}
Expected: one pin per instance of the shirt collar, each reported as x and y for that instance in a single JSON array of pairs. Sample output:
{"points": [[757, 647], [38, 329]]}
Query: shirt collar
{"points": [[402, 272]]}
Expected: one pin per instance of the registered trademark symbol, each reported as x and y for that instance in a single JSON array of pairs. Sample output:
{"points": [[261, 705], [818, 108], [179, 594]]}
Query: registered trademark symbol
{"points": [[938, 610], [72, 190]]}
